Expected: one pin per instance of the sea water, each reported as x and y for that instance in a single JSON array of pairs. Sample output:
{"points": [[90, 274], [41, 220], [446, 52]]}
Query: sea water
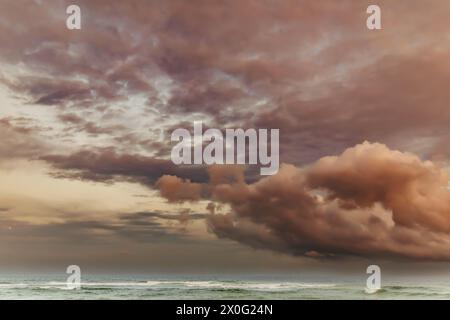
{"points": [[28, 286]]}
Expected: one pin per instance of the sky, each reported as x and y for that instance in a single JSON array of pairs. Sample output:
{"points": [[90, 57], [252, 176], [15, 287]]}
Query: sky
{"points": [[86, 117]]}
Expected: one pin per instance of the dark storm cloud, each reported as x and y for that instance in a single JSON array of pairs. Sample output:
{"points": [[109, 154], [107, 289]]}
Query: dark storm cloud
{"points": [[397, 99], [309, 68], [108, 166]]}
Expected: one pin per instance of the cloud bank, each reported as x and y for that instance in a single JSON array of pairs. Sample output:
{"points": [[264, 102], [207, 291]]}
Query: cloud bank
{"points": [[368, 201]]}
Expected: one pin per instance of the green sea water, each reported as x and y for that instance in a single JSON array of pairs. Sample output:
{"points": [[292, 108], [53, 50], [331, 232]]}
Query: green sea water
{"points": [[209, 287]]}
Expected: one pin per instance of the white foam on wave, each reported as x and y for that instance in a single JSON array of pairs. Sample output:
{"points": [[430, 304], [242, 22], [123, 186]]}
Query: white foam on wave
{"points": [[371, 291], [262, 286], [192, 284]]}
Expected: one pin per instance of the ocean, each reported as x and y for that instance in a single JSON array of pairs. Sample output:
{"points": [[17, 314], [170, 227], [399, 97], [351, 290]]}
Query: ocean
{"points": [[207, 287]]}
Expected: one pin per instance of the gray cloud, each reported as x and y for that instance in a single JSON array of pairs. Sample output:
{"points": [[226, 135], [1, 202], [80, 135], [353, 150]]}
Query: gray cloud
{"points": [[106, 165]]}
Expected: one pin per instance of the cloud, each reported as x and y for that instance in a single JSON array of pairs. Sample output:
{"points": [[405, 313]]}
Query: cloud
{"points": [[368, 201], [20, 139], [310, 68], [140, 227], [145, 217], [176, 189], [384, 101], [107, 165], [77, 123]]}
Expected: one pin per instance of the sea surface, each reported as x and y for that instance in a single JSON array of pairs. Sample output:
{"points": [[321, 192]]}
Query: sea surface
{"points": [[209, 287]]}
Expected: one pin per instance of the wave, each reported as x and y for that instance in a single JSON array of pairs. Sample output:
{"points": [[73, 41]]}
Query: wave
{"points": [[171, 284], [411, 291], [373, 291], [256, 286], [218, 289]]}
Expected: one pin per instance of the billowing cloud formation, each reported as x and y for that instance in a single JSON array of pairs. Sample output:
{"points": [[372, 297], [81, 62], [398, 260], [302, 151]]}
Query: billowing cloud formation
{"points": [[368, 201]]}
